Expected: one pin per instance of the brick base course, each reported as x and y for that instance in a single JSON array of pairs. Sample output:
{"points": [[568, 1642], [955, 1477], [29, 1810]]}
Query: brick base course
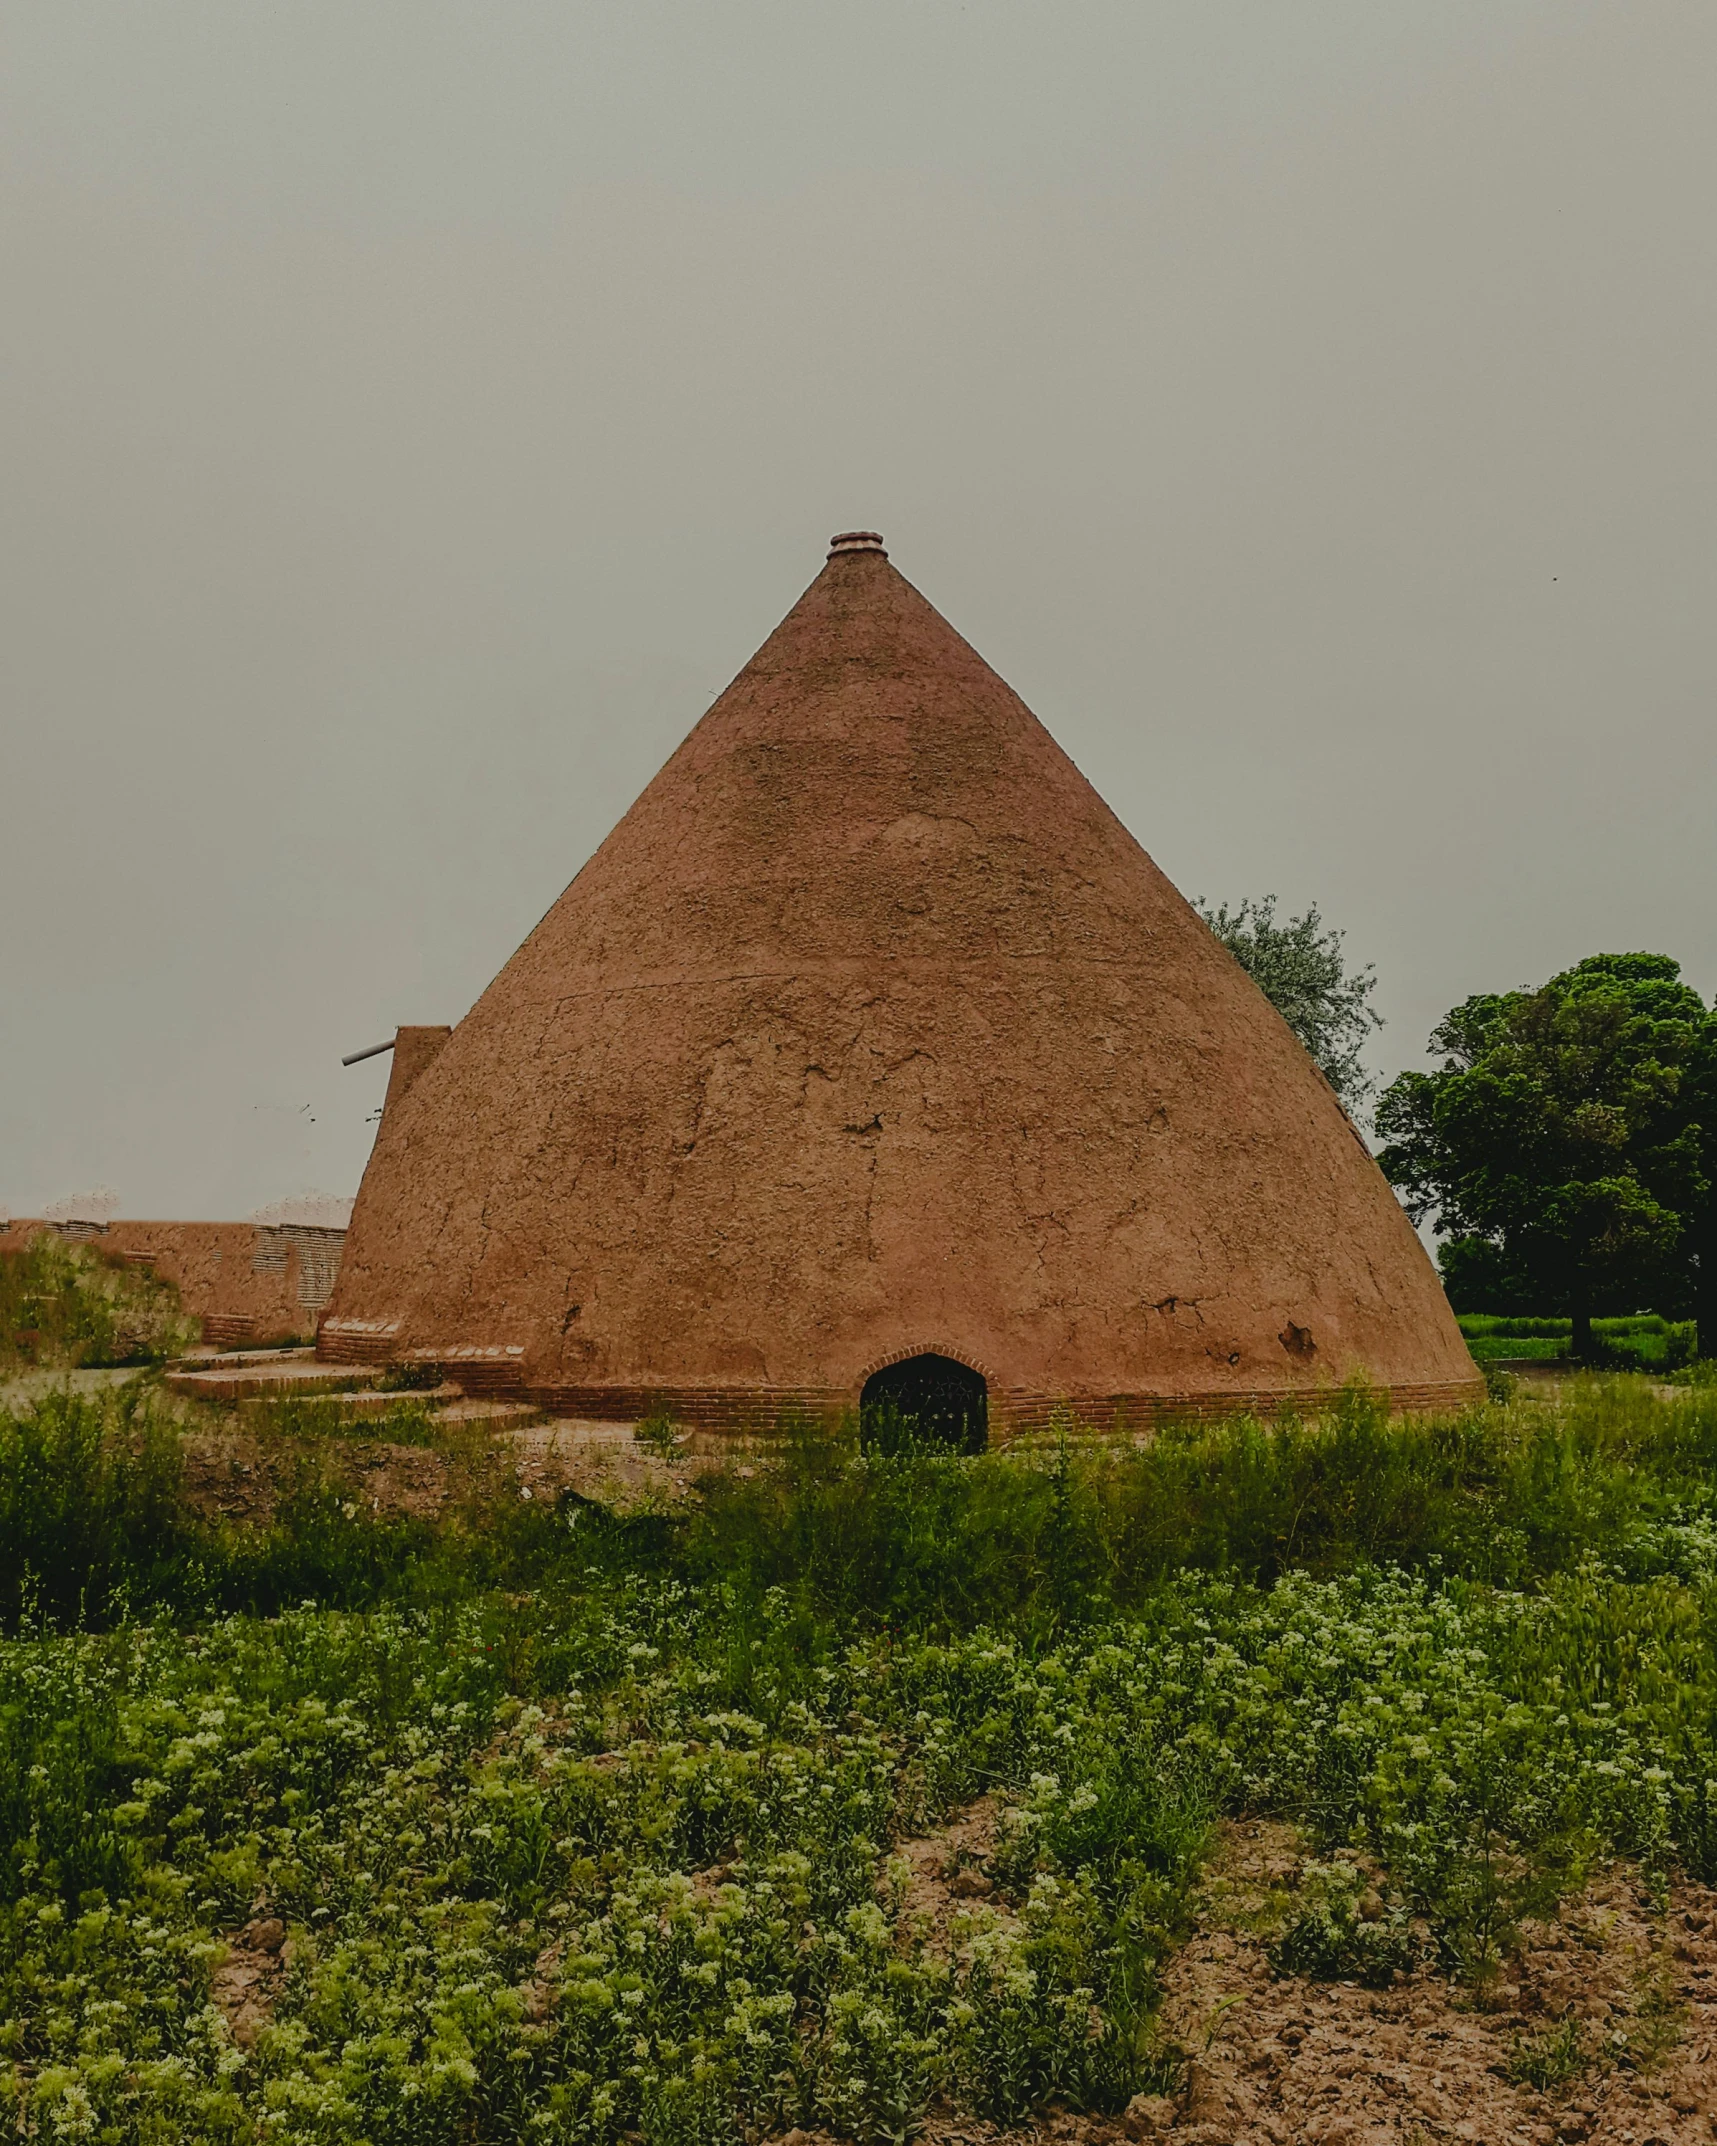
{"points": [[751, 1411], [738, 1411]]}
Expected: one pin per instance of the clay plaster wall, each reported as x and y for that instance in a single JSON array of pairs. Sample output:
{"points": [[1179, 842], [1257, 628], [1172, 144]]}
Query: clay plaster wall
{"points": [[871, 1030]]}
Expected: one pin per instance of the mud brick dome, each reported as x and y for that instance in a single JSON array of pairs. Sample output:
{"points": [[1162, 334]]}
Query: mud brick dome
{"points": [[871, 1034]]}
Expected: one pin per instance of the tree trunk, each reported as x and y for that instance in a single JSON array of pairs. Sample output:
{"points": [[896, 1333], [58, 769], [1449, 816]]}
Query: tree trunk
{"points": [[1581, 1346], [1705, 1297]]}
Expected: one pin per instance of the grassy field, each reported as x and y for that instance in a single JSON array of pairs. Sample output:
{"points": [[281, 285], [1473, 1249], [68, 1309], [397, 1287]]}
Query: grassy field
{"points": [[1643, 1341], [547, 1823]]}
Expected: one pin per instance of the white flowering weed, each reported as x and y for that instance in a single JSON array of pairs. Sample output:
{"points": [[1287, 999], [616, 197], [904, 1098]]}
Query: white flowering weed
{"points": [[574, 1851], [635, 1905]]}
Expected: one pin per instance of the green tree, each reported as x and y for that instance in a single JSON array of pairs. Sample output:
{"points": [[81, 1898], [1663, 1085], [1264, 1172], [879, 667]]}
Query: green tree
{"points": [[1701, 1090], [1558, 1145], [1300, 968]]}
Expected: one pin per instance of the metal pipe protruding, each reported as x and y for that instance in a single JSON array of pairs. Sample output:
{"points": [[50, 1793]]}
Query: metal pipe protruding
{"points": [[375, 1050]]}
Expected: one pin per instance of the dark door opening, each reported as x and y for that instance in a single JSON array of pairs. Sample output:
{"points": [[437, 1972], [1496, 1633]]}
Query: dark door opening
{"points": [[925, 1401]]}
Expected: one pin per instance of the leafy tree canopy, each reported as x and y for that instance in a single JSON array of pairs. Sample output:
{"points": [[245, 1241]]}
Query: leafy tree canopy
{"points": [[1300, 968], [1559, 1145]]}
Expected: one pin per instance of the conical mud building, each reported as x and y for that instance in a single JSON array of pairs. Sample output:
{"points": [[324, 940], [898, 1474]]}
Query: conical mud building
{"points": [[870, 1038]]}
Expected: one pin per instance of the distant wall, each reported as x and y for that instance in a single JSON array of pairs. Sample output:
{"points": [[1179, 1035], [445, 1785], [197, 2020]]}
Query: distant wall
{"points": [[244, 1281]]}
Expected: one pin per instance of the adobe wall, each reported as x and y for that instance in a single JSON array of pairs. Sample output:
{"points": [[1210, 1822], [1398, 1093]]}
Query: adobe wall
{"points": [[414, 1049], [871, 1031], [245, 1281]]}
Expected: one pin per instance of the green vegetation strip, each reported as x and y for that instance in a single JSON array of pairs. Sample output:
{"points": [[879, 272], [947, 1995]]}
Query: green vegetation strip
{"points": [[1640, 1342], [582, 1827], [74, 1304]]}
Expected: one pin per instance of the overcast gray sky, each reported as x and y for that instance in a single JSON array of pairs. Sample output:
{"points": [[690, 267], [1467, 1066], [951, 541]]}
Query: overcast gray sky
{"points": [[413, 414]]}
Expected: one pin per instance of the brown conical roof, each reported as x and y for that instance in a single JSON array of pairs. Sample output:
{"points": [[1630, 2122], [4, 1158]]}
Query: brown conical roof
{"points": [[870, 1030]]}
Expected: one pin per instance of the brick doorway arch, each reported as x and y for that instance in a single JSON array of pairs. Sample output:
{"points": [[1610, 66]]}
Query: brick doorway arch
{"points": [[925, 1400]]}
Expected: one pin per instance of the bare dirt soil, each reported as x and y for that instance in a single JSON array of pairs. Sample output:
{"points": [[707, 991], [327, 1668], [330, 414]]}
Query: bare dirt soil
{"points": [[238, 1473], [1277, 2062], [1336, 2065], [247, 1981], [233, 1475], [947, 1872]]}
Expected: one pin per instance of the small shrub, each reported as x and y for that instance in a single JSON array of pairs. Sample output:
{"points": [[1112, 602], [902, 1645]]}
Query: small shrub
{"points": [[1477, 1325], [1499, 1385], [1548, 2059], [1655, 2019], [658, 1434], [1344, 1934], [1639, 1341], [409, 1378], [1498, 1348], [89, 1507]]}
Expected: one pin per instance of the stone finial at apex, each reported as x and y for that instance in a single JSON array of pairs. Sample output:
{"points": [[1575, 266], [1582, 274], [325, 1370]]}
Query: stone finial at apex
{"points": [[855, 540]]}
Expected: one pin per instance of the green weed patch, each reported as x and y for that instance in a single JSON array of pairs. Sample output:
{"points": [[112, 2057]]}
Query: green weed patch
{"points": [[583, 1828], [70, 1305]]}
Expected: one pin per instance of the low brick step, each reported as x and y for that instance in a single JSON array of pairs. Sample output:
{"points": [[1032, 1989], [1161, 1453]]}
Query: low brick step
{"points": [[238, 1359], [274, 1379], [362, 1401], [484, 1408]]}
